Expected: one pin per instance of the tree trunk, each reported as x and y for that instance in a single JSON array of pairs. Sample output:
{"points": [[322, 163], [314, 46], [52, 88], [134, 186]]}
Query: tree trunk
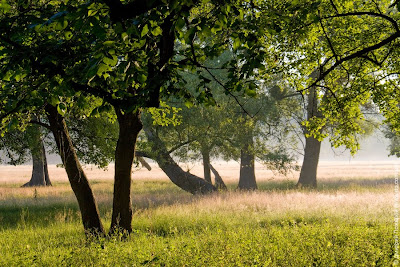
{"points": [[219, 183], [308, 173], [144, 163], [247, 179], [206, 164], [185, 180], [40, 174], [46, 170], [76, 176], [129, 128]]}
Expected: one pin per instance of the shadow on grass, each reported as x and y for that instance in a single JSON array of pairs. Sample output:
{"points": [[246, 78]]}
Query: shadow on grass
{"points": [[50, 211]]}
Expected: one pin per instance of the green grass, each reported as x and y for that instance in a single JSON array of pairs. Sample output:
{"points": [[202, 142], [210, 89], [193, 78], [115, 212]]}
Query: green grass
{"points": [[278, 226]]}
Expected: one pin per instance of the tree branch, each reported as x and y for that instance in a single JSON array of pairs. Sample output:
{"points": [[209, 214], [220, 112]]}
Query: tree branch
{"points": [[356, 55], [41, 124], [366, 13]]}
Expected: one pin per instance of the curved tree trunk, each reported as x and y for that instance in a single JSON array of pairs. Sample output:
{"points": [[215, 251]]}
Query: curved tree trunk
{"points": [[129, 128], [185, 180], [76, 176], [308, 173], [219, 183], [40, 173], [206, 164], [247, 179]]}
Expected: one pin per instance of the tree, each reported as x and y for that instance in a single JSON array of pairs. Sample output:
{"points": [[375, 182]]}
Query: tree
{"points": [[19, 147], [358, 41], [121, 53], [353, 46], [241, 132]]}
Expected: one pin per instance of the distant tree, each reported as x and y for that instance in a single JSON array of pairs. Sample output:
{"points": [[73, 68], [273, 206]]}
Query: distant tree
{"points": [[230, 131], [19, 147]]}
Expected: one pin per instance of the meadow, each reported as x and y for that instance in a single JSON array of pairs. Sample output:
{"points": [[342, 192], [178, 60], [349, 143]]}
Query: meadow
{"points": [[347, 221]]}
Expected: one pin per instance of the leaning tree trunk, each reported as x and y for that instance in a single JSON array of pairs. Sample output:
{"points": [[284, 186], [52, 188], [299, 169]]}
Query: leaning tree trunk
{"points": [[308, 173], [206, 164], [129, 128], [76, 176], [185, 180], [219, 183], [247, 179]]}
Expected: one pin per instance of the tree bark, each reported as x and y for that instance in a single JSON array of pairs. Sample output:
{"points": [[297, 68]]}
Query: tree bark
{"points": [[308, 173], [76, 176], [247, 179], [219, 183], [185, 180], [40, 174], [129, 128], [206, 164], [46, 170], [144, 163]]}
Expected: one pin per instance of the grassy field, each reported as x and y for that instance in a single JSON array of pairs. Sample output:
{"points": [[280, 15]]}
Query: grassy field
{"points": [[347, 221]]}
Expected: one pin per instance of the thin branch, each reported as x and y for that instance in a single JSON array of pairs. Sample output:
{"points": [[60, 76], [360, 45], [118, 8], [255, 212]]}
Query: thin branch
{"points": [[328, 39], [366, 13], [334, 6], [41, 124], [356, 55], [180, 145]]}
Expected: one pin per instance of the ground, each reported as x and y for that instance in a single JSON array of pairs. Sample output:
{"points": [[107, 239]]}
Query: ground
{"points": [[347, 221]]}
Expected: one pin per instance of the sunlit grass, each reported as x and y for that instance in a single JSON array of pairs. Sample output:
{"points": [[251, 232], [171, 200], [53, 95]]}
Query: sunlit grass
{"points": [[347, 221]]}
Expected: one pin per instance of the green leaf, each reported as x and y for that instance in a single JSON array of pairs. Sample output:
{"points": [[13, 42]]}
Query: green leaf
{"points": [[156, 31], [4, 6], [189, 104], [142, 78], [145, 30], [61, 25], [237, 43], [61, 109], [54, 100], [124, 36], [92, 12], [68, 35], [251, 93], [102, 68], [110, 61], [108, 43], [180, 23]]}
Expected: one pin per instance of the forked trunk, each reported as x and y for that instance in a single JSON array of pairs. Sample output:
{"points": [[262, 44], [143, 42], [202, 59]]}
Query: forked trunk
{"points": [[129, 128], [185, 180], [247, 179], [76, 176], [206, 164]]}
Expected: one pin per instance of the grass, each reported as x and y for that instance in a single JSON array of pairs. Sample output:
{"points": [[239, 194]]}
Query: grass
{"points": [[347, 221]]}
